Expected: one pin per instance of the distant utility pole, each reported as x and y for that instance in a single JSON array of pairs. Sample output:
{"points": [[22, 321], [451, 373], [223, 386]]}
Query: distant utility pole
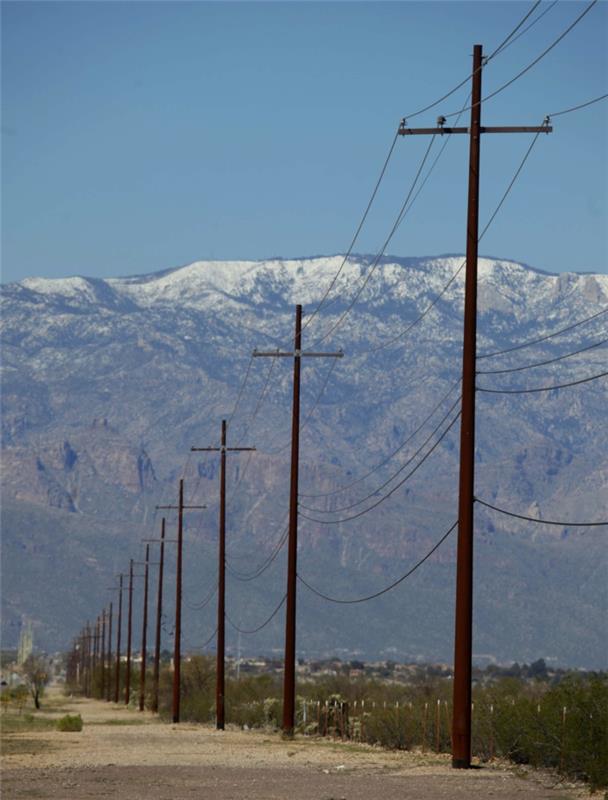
{"points": [[289, 680], [144, 633], [89, 658], [118, 636], [461, 723], [178, 598], [95, 653], [159, 614], [129, 633], [221, 595], [109, 658], [103, 654]]}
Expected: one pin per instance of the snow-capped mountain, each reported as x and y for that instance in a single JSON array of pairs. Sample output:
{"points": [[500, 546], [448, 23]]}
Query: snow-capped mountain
{"points": [[108, 383]]}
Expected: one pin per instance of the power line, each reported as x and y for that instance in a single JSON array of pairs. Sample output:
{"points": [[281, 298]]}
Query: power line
{"points": [[259, 403], [393, 476], [542, 388], [308, 416], [431, 169], [532, 63], [357, 232], [392, 455], [203, 603], [502, 46], [240, 391], [209, 640], [403, 211], [246, 577], [526, 29], [394, 489], [582, 105], [511, 37], [530, 342], [461, 267], [256, 410], [542, 363], [263, 625], [388, 588], [541, 521]]}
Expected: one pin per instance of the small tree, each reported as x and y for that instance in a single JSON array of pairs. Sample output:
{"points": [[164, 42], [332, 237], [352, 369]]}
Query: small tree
{"points": [[36, 674]]}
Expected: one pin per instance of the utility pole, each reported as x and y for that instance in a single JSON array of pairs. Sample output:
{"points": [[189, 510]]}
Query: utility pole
{"points": [[95, 635], [221, 595], [289, 679], [178, 599], [118, 635], [129, 632], [109, 681], [144, 635], [89, 659], [461, 722], [103, 654], [159, 614]]}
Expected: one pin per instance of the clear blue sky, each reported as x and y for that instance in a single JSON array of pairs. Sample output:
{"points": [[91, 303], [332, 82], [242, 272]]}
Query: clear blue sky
{"points": [[138, 136]]}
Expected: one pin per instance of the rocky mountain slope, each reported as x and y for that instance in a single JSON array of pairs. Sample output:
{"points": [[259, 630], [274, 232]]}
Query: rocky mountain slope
{"points": [[108, 383]]}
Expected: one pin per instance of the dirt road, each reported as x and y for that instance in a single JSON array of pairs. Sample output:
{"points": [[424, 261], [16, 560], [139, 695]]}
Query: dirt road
{"points": [[125, 755]]}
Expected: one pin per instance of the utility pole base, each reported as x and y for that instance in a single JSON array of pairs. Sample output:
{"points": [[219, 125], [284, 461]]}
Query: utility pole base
{"points": [[461, 763]]}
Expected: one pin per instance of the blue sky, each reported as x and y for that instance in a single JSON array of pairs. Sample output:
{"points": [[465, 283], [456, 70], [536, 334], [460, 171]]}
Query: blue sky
{"points": [[139, 136]]}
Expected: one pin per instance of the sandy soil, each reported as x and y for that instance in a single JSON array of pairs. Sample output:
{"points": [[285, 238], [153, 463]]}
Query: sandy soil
{"points": [[127, 755]]}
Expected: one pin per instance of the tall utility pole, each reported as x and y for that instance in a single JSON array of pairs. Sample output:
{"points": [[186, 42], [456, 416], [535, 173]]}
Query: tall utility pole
{"points": [[461, 722], [144, 634], [289, 679], [109, 657], [95, 652], [87, 659], [129, 634], [118, 635], [221, 595], [159, 615], [177, 655], [103, 654]]}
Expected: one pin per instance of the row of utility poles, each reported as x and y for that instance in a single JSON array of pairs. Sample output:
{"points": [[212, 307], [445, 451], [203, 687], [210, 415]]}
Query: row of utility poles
{"points": [[95, 667], [91, 648]]}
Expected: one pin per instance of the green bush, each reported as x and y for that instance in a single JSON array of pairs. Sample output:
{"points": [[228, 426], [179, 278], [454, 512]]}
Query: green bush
{"points": [[70, 723]]}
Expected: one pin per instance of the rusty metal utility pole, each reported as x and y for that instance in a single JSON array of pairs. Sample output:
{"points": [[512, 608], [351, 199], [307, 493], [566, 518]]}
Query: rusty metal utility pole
{"points": [[118, 637], [95, 635], [103, 654], [289, 679], [109, 656], [144, 633], [221, 595], [129, 633], [178, 599], [87, 682], [461, 722], [159, 615]]}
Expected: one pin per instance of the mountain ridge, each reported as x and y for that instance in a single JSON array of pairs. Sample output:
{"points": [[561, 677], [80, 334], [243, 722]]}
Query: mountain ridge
{"points": [[159, 369]]}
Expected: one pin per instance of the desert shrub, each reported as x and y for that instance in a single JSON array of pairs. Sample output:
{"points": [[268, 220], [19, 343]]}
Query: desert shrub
{"points": [[71, 722]]}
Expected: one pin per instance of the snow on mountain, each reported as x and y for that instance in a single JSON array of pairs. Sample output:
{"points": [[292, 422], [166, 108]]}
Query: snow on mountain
{"points": [[108, 383]]}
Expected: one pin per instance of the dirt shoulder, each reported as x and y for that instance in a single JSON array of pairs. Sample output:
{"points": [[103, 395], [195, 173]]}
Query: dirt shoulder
{"points": [[127, 755]]}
